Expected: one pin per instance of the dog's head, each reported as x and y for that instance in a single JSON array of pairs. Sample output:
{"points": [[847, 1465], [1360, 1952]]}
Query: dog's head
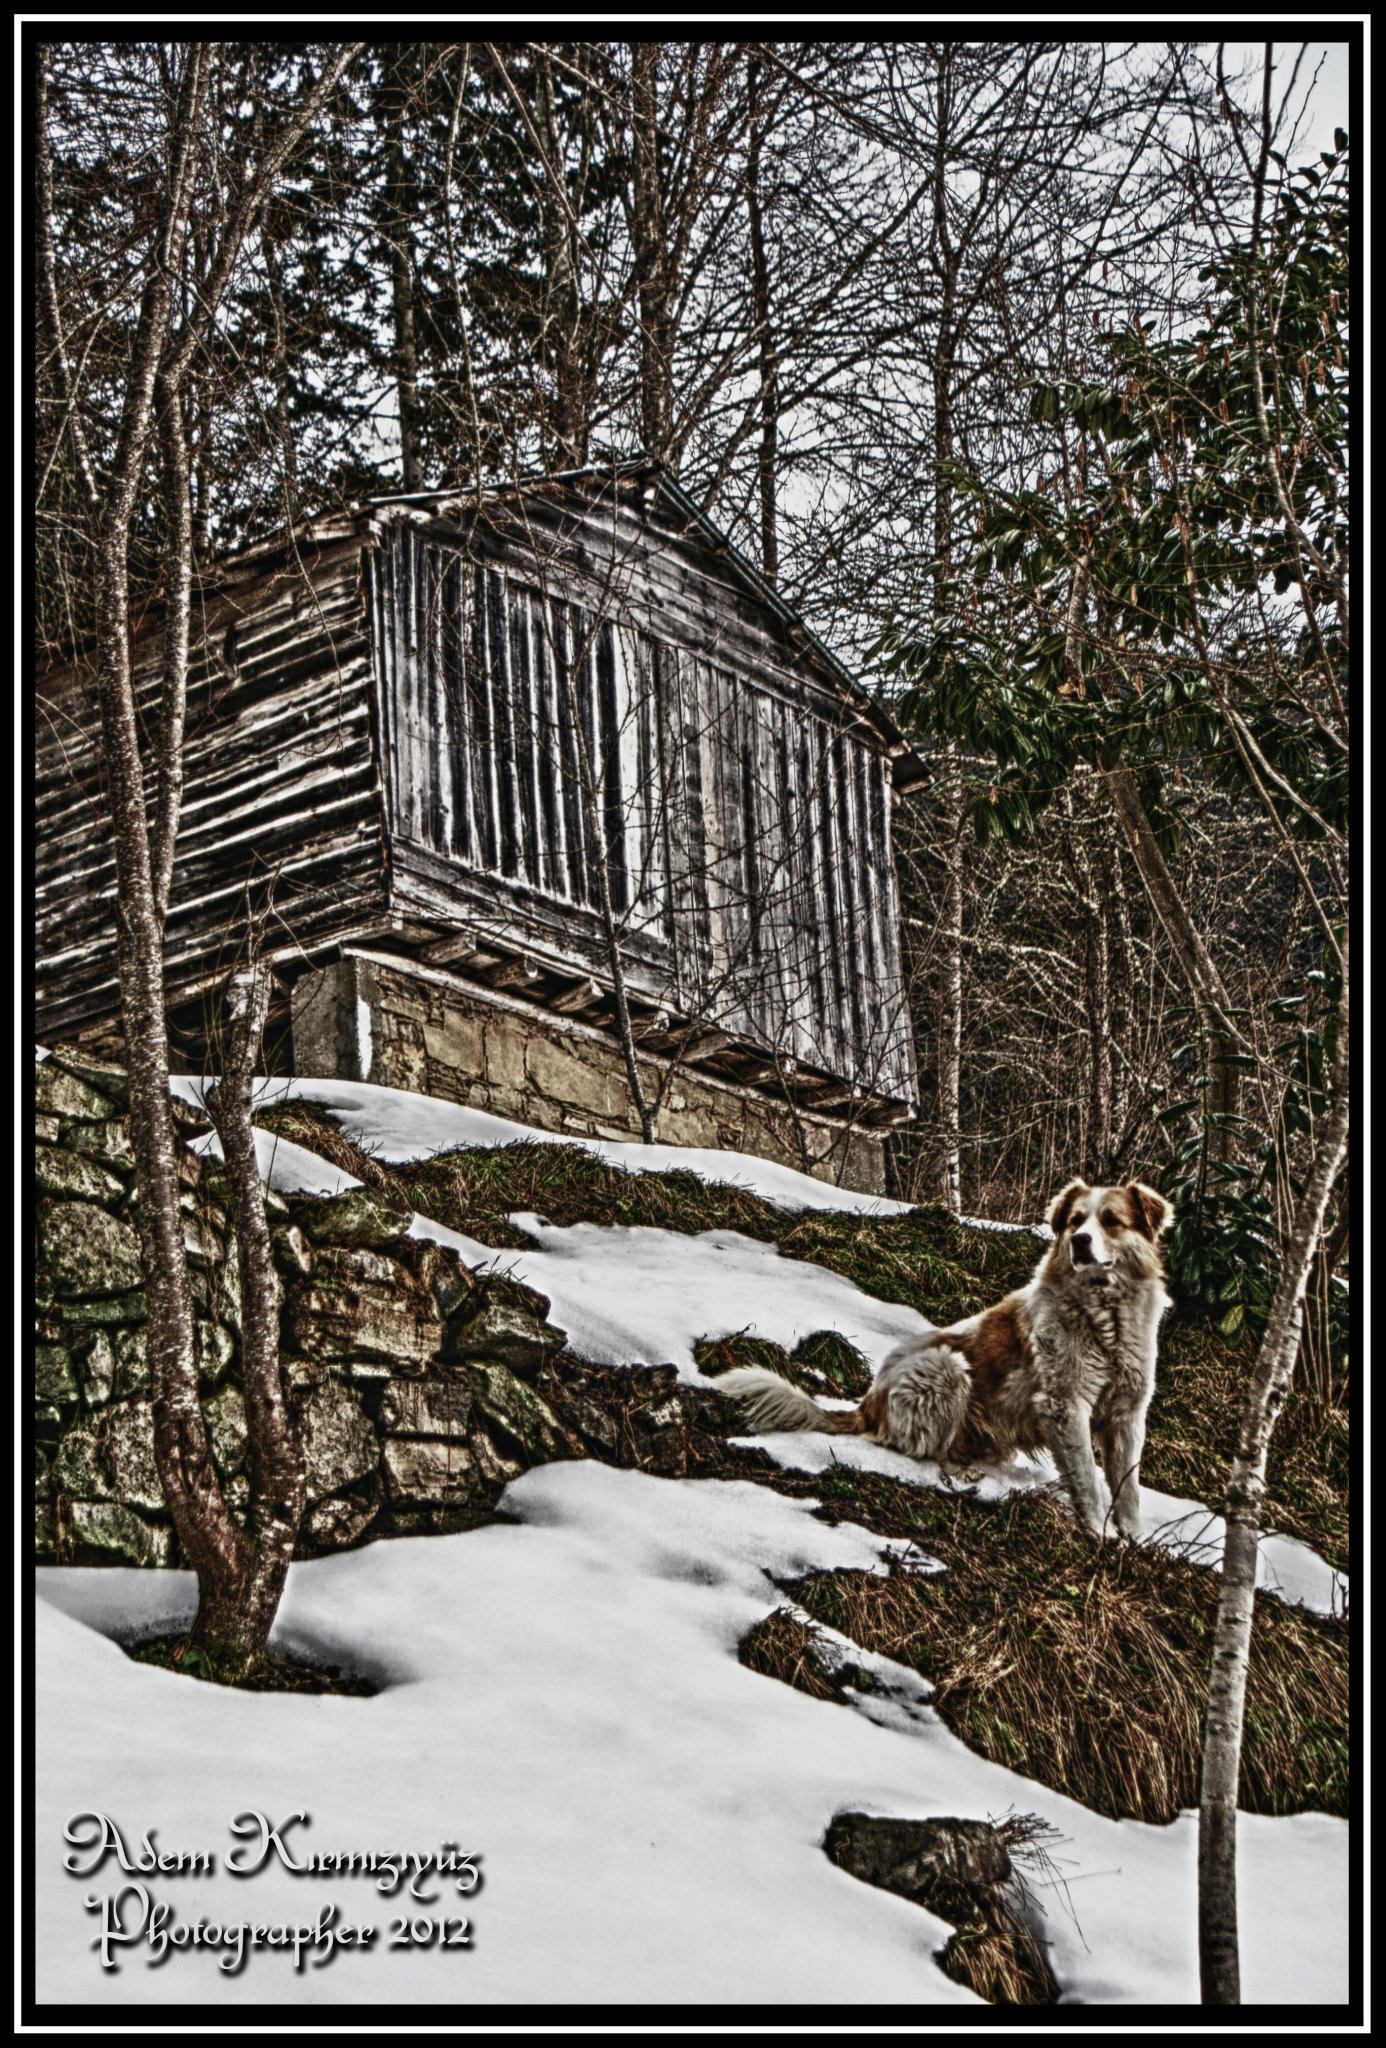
{"points": [[1101, 1233]]}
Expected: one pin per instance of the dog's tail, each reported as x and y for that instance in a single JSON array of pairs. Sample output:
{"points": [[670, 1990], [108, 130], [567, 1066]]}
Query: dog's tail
{"points": [[772, 1403]]}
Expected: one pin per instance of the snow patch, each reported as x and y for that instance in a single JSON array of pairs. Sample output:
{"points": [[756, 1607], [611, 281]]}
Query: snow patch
{"points": [[1285, 1567], [398, 1127], [641, 1296], [567, 1703]]}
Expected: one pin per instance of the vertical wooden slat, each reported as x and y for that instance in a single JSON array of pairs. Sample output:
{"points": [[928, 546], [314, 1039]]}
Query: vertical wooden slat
{"points": [[482, 722], [438, 735], [569, 651], [502, 764], [454, 682], [847, 856], [524, 736], [548, 766]]}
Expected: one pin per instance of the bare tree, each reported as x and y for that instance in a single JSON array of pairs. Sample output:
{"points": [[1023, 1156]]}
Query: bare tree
{"points": [[161, 102]]}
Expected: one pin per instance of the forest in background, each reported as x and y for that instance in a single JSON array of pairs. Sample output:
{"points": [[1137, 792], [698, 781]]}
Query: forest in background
{"points": [[893, 314]]}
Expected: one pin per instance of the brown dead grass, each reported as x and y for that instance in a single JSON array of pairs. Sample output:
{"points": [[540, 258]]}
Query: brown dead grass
{"points": [[304, 1123], [993, 1950], [1086, 1668]]}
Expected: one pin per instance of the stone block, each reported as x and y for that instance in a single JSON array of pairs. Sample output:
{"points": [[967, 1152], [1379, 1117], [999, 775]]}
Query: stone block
{"points": [[429, 1469], [435, 1408], [106, 1532], [59, 1172], [86, 1252]]}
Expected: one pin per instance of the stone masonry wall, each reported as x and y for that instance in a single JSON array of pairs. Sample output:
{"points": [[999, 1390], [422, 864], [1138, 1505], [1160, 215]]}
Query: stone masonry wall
{"points": [[419, 1387], [368, 1019]]}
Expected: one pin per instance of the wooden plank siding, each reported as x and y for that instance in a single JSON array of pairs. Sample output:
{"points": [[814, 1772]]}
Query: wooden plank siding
{"points": [[444, 720], [580, 687], [282, 786]]}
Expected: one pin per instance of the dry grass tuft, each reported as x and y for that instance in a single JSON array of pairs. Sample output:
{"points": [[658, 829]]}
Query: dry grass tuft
{"points": [[309, 1125], [1083, 1668], [995, 1951], [786, 1647]]}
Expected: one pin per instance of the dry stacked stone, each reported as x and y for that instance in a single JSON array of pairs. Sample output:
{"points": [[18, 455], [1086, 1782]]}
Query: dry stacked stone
{"points": [[405, 1370], [419, 1386]]}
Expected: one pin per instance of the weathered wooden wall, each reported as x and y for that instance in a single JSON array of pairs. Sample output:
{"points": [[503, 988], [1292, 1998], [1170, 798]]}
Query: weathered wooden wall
{"points": [[428, 722], [743, 804], [282, 787]]}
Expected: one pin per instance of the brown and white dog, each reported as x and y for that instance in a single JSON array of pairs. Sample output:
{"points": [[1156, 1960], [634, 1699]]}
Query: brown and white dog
{"points": [[1060, 1364]]}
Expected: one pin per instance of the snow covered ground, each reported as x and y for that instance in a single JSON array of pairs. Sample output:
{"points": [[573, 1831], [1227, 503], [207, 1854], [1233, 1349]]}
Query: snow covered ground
{"points": [[395, 1127], [562, 1697], [633, 1296]]}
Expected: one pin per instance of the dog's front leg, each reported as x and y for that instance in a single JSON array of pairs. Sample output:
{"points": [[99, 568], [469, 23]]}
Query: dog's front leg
{"points": [[1122, 1439], [1068, 1432]]}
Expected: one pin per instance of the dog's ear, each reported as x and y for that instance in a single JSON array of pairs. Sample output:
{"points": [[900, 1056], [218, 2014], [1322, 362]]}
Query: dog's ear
{"points": [[1061, 1208], [1153, 1214]]}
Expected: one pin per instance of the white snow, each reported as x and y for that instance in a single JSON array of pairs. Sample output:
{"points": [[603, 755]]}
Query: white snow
{"points": [[563, 1698], [1285, 1567], [561, 1695], [396, 1126], [639, 1296]]}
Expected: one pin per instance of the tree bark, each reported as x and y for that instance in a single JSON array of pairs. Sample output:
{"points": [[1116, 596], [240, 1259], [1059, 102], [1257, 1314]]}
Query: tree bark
{"points": [[1219, 1964], [950, 1032], [399, 213], [767, 457], [1204, 983], [150, 389], [653, 282], [236, 1628]]}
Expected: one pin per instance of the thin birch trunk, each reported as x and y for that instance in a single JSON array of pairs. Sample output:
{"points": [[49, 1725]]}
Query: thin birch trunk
{"points": [[768, 398], [1218, 1953], [1201, 977]]}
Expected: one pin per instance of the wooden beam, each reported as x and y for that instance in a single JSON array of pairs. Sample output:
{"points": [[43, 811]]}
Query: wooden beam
{"points": [[456, 946], [512, 973], [580, 995]]}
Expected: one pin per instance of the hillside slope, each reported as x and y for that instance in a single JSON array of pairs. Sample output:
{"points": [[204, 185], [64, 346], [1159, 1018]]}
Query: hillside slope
{"points": [[585, 1692]]}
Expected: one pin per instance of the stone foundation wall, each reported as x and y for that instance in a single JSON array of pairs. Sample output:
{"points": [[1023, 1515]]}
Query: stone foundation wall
{"points": [[419, 1387], [365, 1018]]}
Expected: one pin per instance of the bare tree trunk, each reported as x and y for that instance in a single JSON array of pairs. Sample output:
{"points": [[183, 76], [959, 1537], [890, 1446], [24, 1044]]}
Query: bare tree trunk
{"points": [[950, 1033], [1201, 976], [210, 1541], [1116, 918], [236, 1628], [208, 1535], [399, 215], [651, 256], [566, 329], [1219, 1965], [767, 458], [150, 392]]}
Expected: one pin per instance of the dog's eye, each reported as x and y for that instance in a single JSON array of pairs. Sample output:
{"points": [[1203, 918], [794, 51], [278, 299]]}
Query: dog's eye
{"points": [[1111, 1223]]}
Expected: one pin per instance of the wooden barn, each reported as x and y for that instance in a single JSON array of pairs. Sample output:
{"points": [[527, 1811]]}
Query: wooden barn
{"points": [[484, 764]]}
